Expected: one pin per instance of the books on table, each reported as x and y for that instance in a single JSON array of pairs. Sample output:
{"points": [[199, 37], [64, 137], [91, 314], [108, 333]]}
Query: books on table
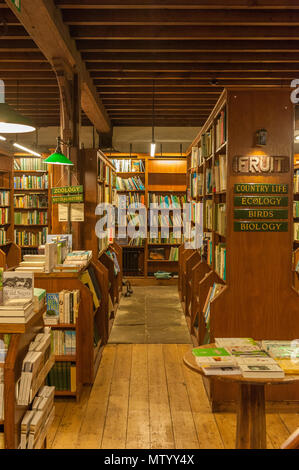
{"points": [[260, 367], [17, 306], [215, 361]]}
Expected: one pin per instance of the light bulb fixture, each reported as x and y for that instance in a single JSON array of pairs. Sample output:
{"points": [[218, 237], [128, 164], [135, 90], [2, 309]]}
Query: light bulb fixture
{"points": [[153, 144], [31, 152], [153, 149], [12, 122], [57, 158]]}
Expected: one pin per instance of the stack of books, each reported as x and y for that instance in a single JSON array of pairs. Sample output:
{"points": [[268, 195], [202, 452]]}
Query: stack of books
{"points": [[38, 420], [17, 297], [35, 359], [62, 307], [129, 184]]}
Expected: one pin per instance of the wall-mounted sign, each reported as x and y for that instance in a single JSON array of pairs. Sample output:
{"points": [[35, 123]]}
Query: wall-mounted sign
{"points": [[259, 188], [260, 164], [260, 226], [261, 214], [261, 201], [17, 4], [67, 198], [67, 190]]}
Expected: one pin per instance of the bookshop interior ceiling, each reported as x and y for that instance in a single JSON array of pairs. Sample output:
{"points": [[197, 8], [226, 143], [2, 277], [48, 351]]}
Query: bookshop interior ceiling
{"points": [[189, 50]]}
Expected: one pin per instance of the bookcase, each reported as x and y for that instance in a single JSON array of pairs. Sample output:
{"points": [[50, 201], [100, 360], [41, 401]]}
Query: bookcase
{"points": [[31, 202], [258, 299], [91, 326], [296, 221], [10, 253], [20, 337], [159, 180]]}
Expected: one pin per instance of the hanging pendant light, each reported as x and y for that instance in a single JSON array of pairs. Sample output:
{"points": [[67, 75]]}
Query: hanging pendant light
{"points": [[12, 122], [153, 144], [57, 158]]}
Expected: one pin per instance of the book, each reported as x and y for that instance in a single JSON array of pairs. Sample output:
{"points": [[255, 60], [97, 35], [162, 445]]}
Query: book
{"points": [[52, 313], [237, 342], [260, 367], [17, 285], [221, 370], [210, 352]]}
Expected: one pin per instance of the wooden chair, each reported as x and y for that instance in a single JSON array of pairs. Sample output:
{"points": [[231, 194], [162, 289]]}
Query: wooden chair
{"points": [[292, 442]]}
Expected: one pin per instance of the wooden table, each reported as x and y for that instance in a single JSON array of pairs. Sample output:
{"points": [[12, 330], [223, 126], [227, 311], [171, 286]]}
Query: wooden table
{"points": [[251, 417]]}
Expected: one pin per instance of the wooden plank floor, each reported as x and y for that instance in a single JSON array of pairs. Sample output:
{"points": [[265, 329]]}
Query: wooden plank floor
{"points": [[145, 398]]}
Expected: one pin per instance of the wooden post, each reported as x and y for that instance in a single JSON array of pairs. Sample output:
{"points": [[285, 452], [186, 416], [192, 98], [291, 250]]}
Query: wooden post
{"points": [[251, 419]]}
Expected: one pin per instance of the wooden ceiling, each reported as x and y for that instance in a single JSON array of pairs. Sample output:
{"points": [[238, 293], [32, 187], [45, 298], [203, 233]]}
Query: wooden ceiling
{"points": [[190, 49]]}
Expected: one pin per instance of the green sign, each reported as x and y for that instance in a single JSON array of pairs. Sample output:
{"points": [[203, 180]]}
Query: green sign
{"points": [[261, 214], [67, 198], [67, 190], [17, 4], [261, 201], [261, 226], [258, 188]]}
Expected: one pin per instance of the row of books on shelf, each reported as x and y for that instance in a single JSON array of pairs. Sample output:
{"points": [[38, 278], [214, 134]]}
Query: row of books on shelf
{"points": [[113, 256], [219, 182], [30, 201], [3, 236], [104, 171], [196, 157], [128, 165], [31, 218], [5, 198], [220, 129], [31, 182], [167, 240], [195, 212], [30, 164], [249, 358], [296, 209], [62, 307], [63, 342], [63, 376], [296, 231], [38, 354], [215, 180], [168, 201], [129, 184], [125, 200], [220, 260], [37, 421], [220, 218], [27, 238], [207, 143], [165, 220], [4, 215], [296, 181]]}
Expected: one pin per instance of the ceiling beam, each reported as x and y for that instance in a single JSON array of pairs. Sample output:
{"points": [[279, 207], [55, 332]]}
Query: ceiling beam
{"points": [[175, 4], [265, 33], [195, 57], [180, 17], [43, 22], [213, 67], [168, 45]]}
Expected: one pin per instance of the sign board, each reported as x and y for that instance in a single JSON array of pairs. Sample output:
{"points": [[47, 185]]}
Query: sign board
{"points": [[62, 190], [260, 214], [259, 188], [260, 164], [17, 4], [67, 198], [261, 201], [260, 226]]}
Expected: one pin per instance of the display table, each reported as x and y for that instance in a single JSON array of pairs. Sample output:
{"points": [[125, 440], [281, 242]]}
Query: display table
{"points": [[251, 418]]}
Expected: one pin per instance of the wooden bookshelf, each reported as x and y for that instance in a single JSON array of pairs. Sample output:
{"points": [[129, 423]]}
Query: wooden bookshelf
{"points": [[258, 299], [164, 176], [88, 318], [21, 336], [26, 161]]}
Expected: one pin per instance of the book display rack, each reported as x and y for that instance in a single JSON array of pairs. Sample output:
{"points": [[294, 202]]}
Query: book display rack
{"points": [[158, 180], [92, 324], [32, 209], [20, 337], [259, 230]]}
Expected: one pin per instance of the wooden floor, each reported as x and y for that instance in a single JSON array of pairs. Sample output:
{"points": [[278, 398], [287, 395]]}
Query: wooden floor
{"points": [[145, 398]]}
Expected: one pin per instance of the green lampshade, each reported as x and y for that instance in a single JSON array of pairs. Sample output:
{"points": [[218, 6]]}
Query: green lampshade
{"points": [[12, 122], [58, 158]]}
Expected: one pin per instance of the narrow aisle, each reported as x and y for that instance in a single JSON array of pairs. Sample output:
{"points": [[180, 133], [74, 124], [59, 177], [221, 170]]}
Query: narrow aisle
{"points": [[152, 315]]}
